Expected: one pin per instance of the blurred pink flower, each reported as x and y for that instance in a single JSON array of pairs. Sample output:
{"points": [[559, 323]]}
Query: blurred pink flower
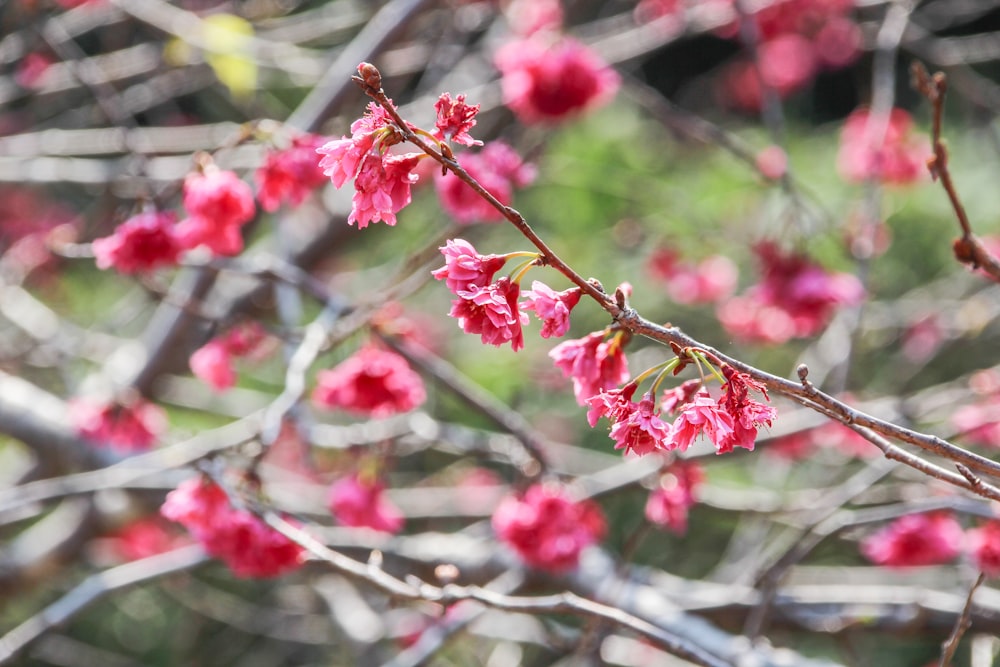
{"points": [[143, 538], [289, 174], [983, 544], [710, 280], [212, 363], [142, 243], [357, 503], [218, 204], [551, 307], [547, 81], [675, 493], [498, 168], [246, 544], [548, 529], [898, 158], [31, 70], [916, 539], [127, 428], [373, 381], [772, 162]]}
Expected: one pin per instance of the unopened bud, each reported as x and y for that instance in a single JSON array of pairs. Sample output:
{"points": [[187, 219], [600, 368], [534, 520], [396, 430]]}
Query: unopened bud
{"points": [[370, 75]]}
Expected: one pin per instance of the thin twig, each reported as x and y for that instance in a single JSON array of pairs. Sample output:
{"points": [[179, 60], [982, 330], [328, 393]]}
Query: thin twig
{"points": [[962, 624]]}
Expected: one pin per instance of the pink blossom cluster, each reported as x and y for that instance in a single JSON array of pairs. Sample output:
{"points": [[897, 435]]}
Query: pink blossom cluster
{"points": [[498, 168], [595, 363], [246, 544], [373, 381], [794, 298], [212, 363], [218, 205], [133, 426], [730, 421], [143, 538], [882, 148], [144, 242], [547, 528], [709, 281], [798, 40], [492, 307], [979, 422], [675, 493], [356, 501], [546, 76], [290, 174]]}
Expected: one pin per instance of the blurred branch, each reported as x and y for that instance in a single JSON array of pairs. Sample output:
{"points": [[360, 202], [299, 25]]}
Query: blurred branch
{"points": [[963, 623]]}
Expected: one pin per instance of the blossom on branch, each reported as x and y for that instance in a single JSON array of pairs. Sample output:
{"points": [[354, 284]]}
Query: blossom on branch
{"points": [[547, 528], [124, 428], [548, 79], [218, 204], [701, 415], [748, 414], [454, 120], [373, 381], [144, 242], [594, 364], [492, 312], [246, 544], [916, 539], [464, 268], [640, 429], [498, 168], [675, 493], [290, 174], [357, 503], [551, 307]]}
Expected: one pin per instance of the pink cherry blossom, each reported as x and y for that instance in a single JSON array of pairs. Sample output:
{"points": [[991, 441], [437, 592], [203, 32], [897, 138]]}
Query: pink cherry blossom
{"points": [[212, 363], [594, 364], [886, 149], [124, 428], [218, 204], [747, 414], [794, 298], [382, 188], [615, 404], [492, 312], [700, 415], [464, 268], [673, 399], [143, 538], [144, 242], [498, 168], [373, 381], [546, 81], [551, 307], [979, 423], [674, 495], [916, 539], [547, 528], [641, 431], [454, 120], [983, 544], [356, 503], [246, 544], [31, 70], [710, 280], [289, 174]]}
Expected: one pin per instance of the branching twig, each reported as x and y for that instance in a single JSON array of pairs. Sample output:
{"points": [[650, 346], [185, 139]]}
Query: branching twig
{"points": [[962, 624]]}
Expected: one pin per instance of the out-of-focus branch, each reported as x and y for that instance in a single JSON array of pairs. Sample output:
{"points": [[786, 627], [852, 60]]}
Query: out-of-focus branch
{"points": [[963, 623]]}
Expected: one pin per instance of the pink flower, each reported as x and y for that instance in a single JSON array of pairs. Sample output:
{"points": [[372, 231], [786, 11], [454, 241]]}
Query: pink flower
{"points": [[31, 70], [213, 364], [454, 120], [772, 162], [710, 280], [700, 415], [382, 188], [357, 503], [373, 381], [916, 539], [546, 81], [641, 431], [551, 307], [615, 404], [464, 268], [592, 363], [899, 157], [218, 203], [144, 538], [673, 399], [983, 544], [795, 298], [123, 428], [674, 495], [498, 168], [747, 413], [492, 312], [289, 174], [546, 528], [142, 243], [979, 423], [247, 545]]}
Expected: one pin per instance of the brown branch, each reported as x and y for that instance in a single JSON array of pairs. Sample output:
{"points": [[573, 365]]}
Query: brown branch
{"points": [[962, 624]]}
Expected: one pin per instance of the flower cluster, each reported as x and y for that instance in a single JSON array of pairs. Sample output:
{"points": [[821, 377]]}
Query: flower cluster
{"points": [[144, 242], [373, 381], [492, 307], [128, 427], [547, 528], [357, 502], [730, 421], [218, 205], [498, 168], [212, 363], [882, 148], [794, 298], [289, 174], [675, 493], [594, 363], [242, 541]]}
